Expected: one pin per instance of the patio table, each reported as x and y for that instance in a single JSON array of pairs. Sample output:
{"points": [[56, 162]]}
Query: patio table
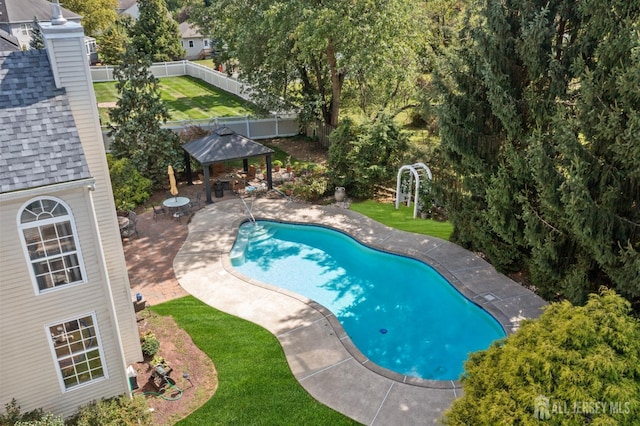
{"points": [[176, 203]]}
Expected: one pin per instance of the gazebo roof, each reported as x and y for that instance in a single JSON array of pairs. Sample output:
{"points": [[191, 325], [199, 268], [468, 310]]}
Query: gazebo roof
{"points": [[222, 145]]}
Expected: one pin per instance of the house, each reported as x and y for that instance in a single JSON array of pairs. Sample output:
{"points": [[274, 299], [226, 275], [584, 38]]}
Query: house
{"points": [[129, 7], [195, 44], [68, 328], [8, 42], [16, 18]]}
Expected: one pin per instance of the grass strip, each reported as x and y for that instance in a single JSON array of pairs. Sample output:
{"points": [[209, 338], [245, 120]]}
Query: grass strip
{"points": [[402, 219], [256, 386], [186, 98]]}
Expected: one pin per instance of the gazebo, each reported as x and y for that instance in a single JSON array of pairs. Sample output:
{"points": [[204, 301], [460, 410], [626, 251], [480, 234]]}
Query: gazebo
{"points": [[223, 145]]}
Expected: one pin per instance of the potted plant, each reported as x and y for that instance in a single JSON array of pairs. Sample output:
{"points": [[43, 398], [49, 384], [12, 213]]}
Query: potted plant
{"points": [[276, 165], [288, 164], [288, 189]]}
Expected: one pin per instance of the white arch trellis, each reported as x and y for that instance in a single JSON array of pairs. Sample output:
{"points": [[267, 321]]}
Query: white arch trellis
{"points": [[403, 192]]}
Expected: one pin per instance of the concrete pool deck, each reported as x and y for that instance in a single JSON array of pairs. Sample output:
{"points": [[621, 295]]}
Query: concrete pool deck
{"points": [[319, 353]]}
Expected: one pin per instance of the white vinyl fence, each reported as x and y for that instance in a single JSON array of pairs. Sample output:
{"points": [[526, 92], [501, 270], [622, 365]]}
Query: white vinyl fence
{"points": [[273, 126]]}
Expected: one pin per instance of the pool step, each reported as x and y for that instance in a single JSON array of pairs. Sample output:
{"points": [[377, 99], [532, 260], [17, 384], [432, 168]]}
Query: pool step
{"points": [[256, 233]]}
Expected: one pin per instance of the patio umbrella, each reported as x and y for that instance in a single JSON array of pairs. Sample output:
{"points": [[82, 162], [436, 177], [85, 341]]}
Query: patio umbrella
{"points": [[172, 182]]}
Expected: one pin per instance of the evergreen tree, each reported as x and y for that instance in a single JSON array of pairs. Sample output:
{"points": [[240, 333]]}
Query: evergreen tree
{"points": [[36, 42], [540, 119], [555, 368], [156, 34], [135, 123]]}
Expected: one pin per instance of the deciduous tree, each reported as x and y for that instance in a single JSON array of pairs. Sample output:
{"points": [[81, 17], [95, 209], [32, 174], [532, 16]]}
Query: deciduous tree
{"points": [[97, 15], [114, 40], [301, 54]]}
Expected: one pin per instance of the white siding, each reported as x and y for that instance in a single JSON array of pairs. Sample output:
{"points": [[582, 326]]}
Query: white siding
{"points": [[27, 369], [72, 72]]}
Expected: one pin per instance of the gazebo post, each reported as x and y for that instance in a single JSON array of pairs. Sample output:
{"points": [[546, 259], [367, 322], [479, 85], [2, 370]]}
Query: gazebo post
{"points": [[187, 166], [269, 175], [207, 184]]}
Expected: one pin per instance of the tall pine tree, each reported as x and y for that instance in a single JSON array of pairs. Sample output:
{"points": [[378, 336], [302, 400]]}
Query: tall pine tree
{"points": [[155, 33], [136, 121], [541, 119]]}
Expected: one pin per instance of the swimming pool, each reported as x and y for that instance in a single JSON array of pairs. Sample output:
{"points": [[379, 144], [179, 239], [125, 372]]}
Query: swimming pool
{"points": [[399, 312]]}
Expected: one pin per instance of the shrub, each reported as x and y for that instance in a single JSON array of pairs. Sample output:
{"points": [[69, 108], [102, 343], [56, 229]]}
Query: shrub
{"points": [[556, 368], [362, 156], [14, 416], [115, 411], [311, 187], [130, 188], [150, 344]]}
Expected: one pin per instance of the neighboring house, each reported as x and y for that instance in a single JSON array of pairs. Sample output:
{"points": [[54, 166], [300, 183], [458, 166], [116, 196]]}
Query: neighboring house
{"points": [[68, 328], [129, 7], [16, 18], [8, 42], [195, 44]]}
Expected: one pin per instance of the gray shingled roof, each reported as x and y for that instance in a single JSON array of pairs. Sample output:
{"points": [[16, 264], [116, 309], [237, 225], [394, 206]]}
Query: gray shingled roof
{"points": [[8, 42], [188, 30], [222, 145], [23, 11], [39, 142]]}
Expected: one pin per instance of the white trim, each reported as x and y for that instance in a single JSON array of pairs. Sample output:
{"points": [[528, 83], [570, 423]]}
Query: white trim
{"points": [[112, 305], [47, 189], [54, 357], [78, 250]]}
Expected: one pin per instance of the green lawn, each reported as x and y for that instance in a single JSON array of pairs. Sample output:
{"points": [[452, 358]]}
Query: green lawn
{"points": [[256, 386], [187, 98], [402, 218]]}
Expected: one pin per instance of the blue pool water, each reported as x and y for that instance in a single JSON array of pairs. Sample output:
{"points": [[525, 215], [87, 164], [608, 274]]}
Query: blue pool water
{"points": [[399, 312]]}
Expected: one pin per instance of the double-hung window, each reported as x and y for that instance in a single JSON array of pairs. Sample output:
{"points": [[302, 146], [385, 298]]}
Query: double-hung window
{"points": [[77, 350], [49, 236]]}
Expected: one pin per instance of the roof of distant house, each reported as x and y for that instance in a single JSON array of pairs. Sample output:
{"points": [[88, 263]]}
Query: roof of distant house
{"points": [[22, 11], [125, 4], [8, 42], [39, 142], [188, 30]]}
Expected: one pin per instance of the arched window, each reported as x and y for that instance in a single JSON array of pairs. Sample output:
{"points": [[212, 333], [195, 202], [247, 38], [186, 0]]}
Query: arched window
{"points": [[49, 233]]}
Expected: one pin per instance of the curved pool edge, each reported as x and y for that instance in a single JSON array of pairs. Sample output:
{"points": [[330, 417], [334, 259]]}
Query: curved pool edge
{"points": [[341, 334], [317, 357]]}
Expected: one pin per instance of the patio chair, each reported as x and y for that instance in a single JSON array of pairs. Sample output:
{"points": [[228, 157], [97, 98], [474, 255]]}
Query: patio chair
{"points": [[197, 203], [158, 211], [130, 230]]}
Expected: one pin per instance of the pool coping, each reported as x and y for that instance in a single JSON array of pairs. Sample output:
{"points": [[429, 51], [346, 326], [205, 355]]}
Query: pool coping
{"points": [[212, 233], [506, 325]]}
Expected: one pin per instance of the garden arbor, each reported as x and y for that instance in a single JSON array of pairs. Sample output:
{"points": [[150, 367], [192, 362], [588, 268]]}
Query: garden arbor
{"points": [[405, 185]]}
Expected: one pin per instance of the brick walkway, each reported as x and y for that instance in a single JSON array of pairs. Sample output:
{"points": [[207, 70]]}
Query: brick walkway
{"points": [[149, 256]]}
